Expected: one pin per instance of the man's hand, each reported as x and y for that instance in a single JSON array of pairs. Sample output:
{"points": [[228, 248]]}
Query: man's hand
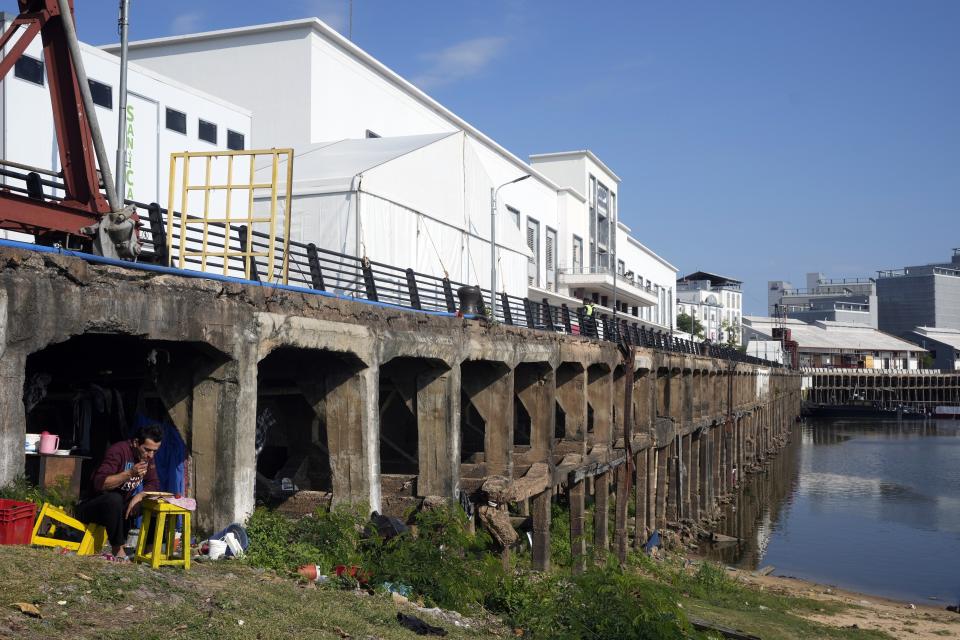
{"points": [[138, 470], [134, 501]]}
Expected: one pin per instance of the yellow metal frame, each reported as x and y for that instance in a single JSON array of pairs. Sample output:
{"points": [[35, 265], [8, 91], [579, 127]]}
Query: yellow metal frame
{"points": [[51, 517], [179, 214]]}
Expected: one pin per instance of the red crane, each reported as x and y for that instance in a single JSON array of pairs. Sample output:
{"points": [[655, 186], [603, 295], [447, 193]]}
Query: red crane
{"points": [[84, 214]]}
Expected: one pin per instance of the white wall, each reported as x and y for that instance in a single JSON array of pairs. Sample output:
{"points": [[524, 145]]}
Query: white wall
{"points": [[347, 98], [261, 71], [28, 134]]}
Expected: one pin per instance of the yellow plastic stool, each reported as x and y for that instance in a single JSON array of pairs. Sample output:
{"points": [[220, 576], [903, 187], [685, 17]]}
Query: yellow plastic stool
{"points": [[165, 516], [52, 517]]}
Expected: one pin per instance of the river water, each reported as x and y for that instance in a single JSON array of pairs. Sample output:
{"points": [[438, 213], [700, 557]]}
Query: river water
{"points": [[867, 505]]}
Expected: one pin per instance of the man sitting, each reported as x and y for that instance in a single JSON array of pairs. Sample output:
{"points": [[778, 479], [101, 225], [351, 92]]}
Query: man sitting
{"points": [[126, 465]]}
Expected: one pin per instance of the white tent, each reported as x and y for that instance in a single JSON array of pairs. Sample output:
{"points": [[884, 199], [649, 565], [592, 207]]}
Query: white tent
{"points": [[421, 202]]}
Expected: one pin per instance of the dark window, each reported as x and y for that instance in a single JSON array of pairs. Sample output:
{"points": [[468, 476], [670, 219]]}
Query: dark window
{"points": [[371, 134], [234, 140], [29, 69], [207, 131], [102, 94], [176, 121]]}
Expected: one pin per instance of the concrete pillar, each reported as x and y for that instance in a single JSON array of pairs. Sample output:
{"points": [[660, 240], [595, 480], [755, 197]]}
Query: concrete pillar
{"points": [[345, 400], [13, 427], [622, 492], [640, 521], [601, 516], [535, 387], [541, 504], [694, 476], [223, 434], [673, 482], [489, 386], [438, 422], [578, 544], [652, 488], [643, 403], [684, 473], [661, 499], [704, 472], [600, 397], [572, 396]]}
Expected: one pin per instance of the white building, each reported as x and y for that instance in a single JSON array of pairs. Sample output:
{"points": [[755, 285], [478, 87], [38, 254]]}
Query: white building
{"points": [[592, 235], [835, 345], [164, 116], [313, 88], [713, 300]]}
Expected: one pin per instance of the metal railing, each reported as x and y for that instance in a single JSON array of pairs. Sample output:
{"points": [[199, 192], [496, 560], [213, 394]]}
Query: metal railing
{"points": [[319, 269]]}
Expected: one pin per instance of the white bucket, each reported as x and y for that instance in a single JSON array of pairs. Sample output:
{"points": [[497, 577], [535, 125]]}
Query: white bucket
{"points": [[217, 549]]}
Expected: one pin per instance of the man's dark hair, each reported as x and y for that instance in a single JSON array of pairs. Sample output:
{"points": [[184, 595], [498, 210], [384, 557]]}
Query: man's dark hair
{"points": [[149, 432]]}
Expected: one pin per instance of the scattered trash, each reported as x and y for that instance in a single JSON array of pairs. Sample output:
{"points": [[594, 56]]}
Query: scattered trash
{"points": [[217, 549], [418, 626], [29, 609], [312, 573], [240, 622], [387, 527], [362, 577], [61, 602], [84, 576], [403, 589], [398, 599], [765, 571], [911, 606]]}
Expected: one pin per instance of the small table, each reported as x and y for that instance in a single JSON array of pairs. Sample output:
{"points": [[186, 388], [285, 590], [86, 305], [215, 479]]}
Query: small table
{"points": [[46, 469]]}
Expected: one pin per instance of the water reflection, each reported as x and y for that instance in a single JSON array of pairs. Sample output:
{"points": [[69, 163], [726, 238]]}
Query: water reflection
{"points": [[868, 505]]}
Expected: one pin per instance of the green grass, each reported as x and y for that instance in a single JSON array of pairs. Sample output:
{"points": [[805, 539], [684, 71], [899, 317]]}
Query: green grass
{"points": [[207, 602]]}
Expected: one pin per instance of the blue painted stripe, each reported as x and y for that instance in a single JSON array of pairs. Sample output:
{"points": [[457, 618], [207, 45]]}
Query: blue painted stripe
{"points": [[185, 273]]}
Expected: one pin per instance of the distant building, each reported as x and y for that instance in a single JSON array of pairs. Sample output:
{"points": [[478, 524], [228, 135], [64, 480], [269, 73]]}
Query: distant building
{"points": [[834, 345], [943, 345], [715, 301], [921, 296], [838, 300]]}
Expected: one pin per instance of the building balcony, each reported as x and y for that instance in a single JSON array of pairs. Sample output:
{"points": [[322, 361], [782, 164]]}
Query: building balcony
{"points": [[601, 281]]}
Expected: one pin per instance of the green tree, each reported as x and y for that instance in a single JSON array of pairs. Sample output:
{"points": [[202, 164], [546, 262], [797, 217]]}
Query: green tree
{"points": [[731, 331], [690, 325]]}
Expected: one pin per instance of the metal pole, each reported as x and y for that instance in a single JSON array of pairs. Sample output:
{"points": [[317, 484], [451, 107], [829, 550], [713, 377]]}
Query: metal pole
{"points": [[70, 31], [613, 219], [493, 253], [493, 244], [122, 98]]}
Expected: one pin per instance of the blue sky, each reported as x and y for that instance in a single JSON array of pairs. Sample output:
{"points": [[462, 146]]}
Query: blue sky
{"points": [[757, 139]]}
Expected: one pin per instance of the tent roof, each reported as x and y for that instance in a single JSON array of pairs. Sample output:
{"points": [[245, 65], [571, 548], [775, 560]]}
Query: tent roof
{"points": [[829, 335], [332, 166]]}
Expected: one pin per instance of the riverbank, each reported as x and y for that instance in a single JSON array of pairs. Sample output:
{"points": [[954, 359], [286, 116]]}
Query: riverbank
{"points": [[896, 618], [91, 598]]}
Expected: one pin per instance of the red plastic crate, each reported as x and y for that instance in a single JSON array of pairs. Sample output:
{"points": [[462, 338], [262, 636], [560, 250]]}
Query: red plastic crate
{"points": [[16, 521]]}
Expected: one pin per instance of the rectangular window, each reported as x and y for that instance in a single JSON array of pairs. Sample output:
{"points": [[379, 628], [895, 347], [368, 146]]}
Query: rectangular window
{"points": [[550, 254], [514, 215], [207, 131], [29, 69], [234, 140], [533, 243], [101, 93], [621, 267], [577, 260], [176, 121]]}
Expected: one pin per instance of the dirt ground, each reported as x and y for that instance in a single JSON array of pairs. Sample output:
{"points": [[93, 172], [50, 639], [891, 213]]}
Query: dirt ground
{"points": [[897, 618]]}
